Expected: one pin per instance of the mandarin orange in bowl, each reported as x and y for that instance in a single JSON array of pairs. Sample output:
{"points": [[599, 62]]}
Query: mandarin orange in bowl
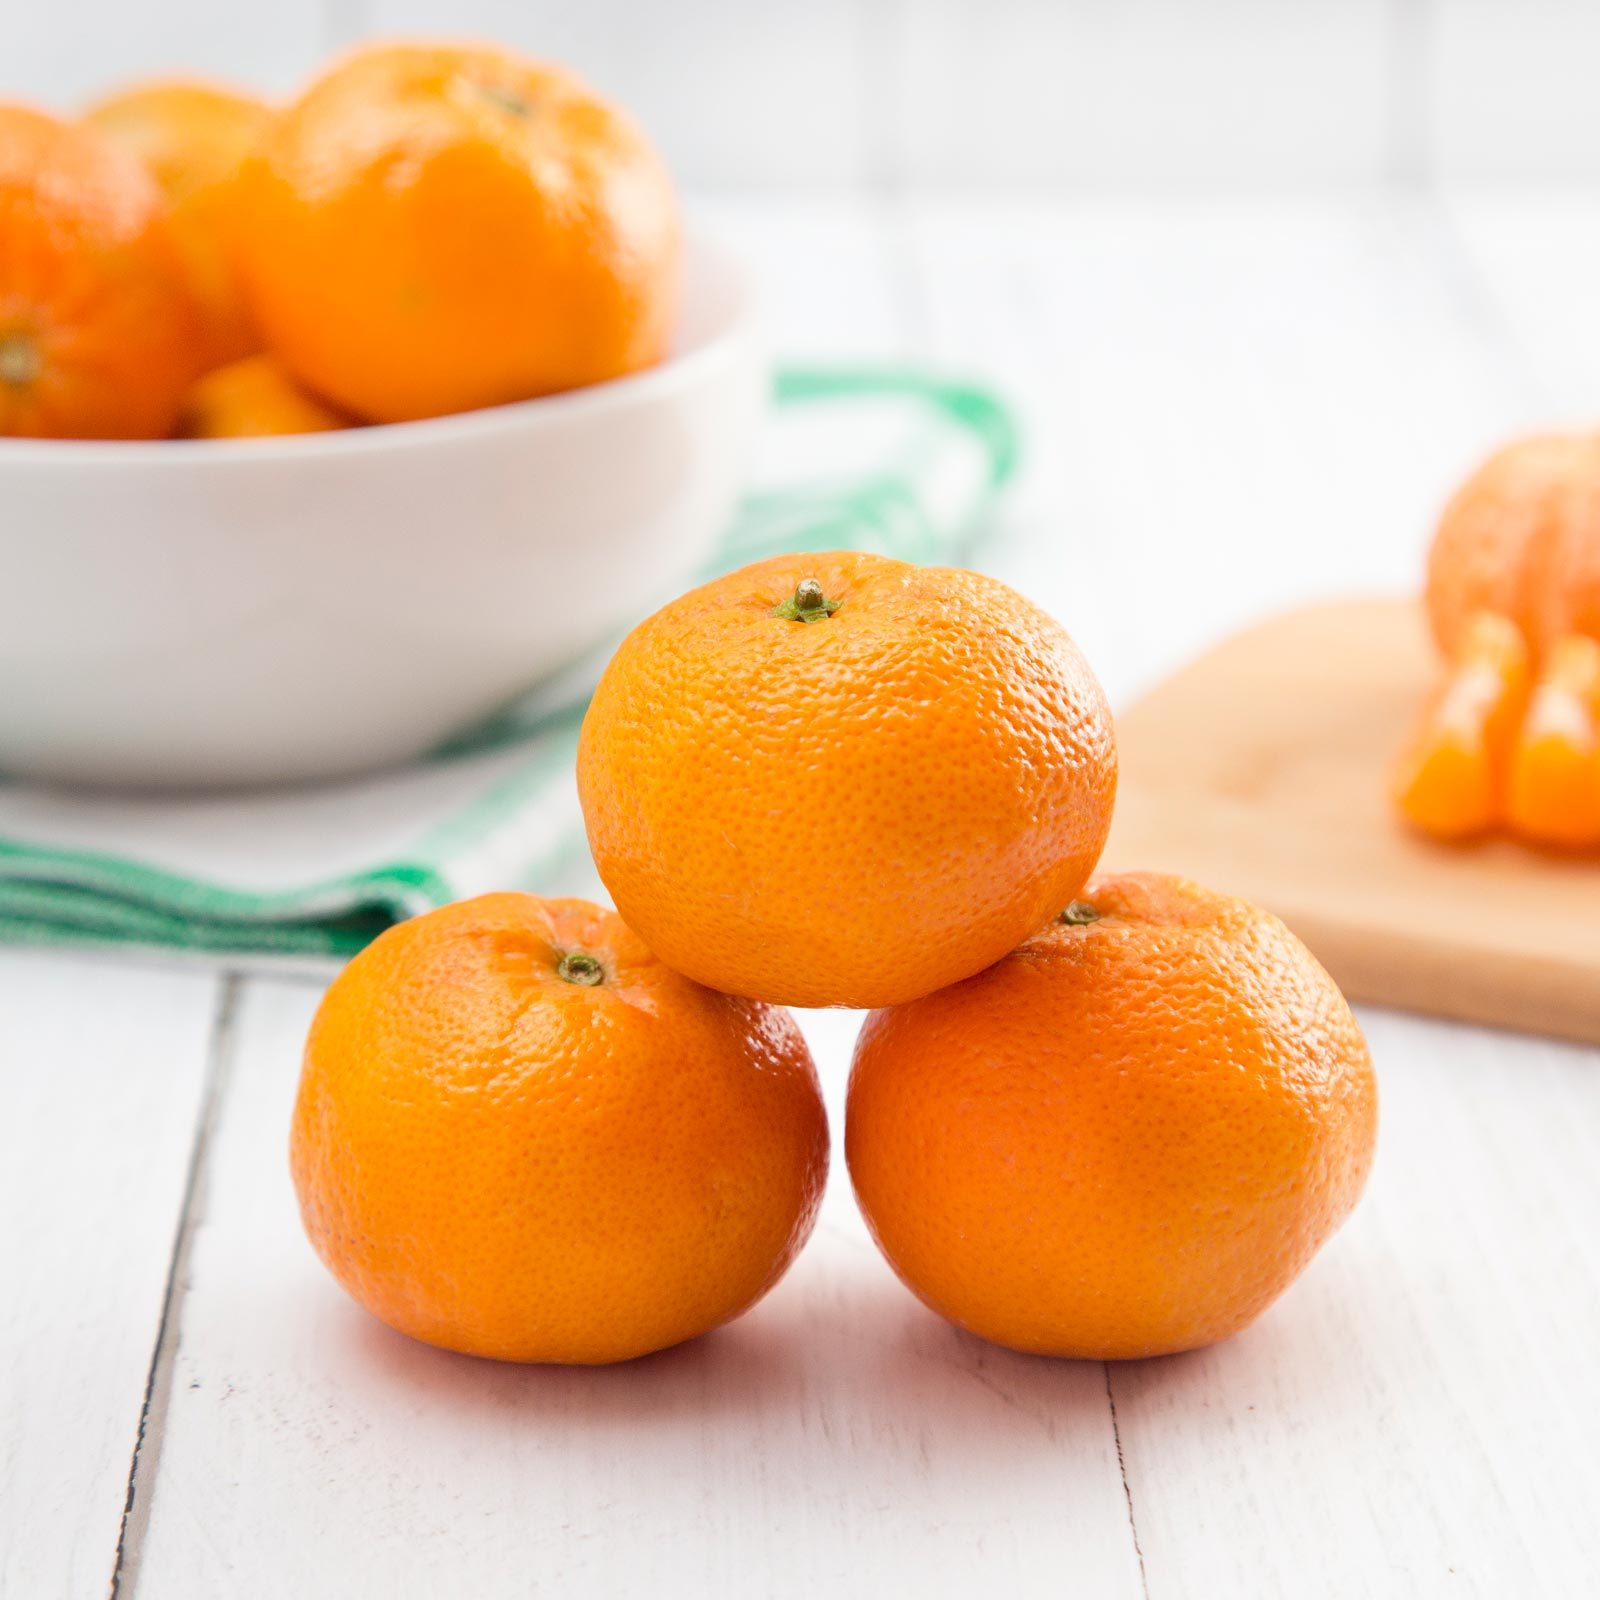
{"points": [[1125, 1139], [100, 335], [518, 1134], [432, 228], [195, 137], [840, 779], [360, 594]]}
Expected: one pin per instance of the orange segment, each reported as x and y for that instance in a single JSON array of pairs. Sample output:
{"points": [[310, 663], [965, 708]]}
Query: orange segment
{"points": [[1452, 780], [252, 399], [1555, 773]]}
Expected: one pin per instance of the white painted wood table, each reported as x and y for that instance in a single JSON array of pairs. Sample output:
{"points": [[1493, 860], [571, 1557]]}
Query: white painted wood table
{"points": [[1230, 407]]}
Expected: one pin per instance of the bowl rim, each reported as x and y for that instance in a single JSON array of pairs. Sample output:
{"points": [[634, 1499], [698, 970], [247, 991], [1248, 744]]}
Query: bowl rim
{"points": [[703, 253]]}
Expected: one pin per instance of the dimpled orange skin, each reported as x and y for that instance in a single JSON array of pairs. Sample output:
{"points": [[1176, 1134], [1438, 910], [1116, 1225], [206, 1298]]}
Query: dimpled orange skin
{"points": [[1521, 538], [434, 228], [853, 811], [195, 137], [99, 335], [252, 399], [1125, 1139], [496, 1160]]}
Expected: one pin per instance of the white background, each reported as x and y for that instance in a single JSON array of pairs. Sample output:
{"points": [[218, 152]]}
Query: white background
{"points": [[1100, 94]]}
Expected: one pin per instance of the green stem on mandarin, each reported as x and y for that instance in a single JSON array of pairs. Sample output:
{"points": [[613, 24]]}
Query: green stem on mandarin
{"points": [[1080, 914], [19, 360], [506, 99], [807, 604], [578, 967]]}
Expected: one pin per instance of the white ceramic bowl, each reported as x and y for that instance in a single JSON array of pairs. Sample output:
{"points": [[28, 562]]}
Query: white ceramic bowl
{"points": [[276, 610]]}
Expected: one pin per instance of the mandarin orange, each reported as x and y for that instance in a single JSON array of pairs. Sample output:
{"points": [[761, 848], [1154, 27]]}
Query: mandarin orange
{"points": [[839, 779], [195, 137], [1521, 538], [437, 227], [1127, 1137], [519, 1135], [1514, 599], [99, 333]]}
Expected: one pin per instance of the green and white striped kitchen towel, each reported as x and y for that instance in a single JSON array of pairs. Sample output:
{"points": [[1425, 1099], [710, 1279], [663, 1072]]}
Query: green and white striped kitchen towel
{"points": [[893, 461]]}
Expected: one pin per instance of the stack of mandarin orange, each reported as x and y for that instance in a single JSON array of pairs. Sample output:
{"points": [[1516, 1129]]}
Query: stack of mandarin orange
{"points": [[426, 229], [1099, 1117]]}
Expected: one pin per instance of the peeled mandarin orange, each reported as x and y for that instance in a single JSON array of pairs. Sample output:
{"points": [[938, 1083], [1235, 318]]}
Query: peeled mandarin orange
{"points": [[1125, 1139], [519, 1135], [839, 779], [1514, 598], [437, 227]]}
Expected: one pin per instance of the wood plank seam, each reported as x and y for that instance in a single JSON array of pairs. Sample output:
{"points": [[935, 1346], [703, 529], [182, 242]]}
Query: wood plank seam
{"points": [[152, 1415], [1127, 1488]]}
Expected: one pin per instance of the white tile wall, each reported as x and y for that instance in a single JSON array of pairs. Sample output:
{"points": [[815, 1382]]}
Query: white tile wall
{"points": [[1513, 88], [1096, 94], [1156, 93], [63, 51], [737, 91]]}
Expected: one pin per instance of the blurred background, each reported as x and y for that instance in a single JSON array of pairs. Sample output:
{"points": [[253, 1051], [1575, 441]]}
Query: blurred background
{"points": [[1092, 95], [1262, 277]]}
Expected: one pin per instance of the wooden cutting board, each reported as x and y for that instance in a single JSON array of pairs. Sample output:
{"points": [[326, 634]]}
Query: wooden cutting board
{"points": [[1263, 768]]}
